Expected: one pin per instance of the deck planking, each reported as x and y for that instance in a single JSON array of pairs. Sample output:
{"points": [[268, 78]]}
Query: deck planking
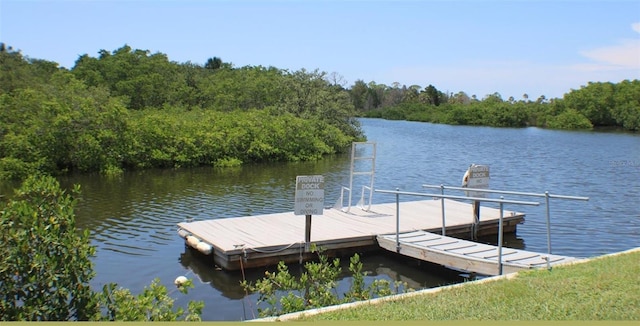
{"points": [[264, 239]]}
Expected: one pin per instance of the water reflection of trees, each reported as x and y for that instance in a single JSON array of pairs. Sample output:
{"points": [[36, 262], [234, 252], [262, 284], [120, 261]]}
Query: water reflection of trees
{"points": [[167, 197]]}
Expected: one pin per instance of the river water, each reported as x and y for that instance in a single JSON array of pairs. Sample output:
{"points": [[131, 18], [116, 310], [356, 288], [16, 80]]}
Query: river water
{"points": [[133, 218]]}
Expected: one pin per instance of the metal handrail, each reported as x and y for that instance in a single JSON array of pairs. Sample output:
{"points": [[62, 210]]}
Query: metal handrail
{"points": [[361, 202], [546, 195], [505, 192], [502, 201], [339, 204], [421, 194]]}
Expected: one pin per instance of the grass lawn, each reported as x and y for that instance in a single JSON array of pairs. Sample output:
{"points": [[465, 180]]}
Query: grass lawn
{"points": [[606, 288]]}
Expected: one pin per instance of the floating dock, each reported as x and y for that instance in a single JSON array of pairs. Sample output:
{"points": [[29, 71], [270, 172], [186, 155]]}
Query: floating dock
{"points": [[411, 228], [263, 240]]}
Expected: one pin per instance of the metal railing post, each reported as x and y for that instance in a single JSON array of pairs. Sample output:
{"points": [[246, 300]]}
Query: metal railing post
{"points": [[398, 220], [442, 201], [546, 201], [500, 236]]}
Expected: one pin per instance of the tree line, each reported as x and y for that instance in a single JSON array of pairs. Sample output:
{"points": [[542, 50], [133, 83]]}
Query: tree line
{"points": [[131, 109], [598, 104]]}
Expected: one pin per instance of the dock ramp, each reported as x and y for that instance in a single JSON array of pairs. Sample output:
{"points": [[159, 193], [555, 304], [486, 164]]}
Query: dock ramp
{"points": [[466, 255]]}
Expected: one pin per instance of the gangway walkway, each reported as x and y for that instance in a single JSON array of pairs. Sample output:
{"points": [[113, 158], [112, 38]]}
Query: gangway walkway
{"points": [[466, 255]]}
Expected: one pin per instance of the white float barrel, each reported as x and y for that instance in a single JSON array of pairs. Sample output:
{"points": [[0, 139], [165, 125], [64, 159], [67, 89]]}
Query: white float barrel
{"points": [[193, 241], [204, 248], [183, 233]]}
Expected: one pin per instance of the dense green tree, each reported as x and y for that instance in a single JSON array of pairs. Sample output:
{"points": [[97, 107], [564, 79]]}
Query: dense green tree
{"points": [[243, 88], [145, 79], [626, 108], [593, 101], [311, 97], [569, 119], [19, 72], [376, 95], [359, 93], [63, 126], [431, 95], [46, 267], [411, 94], [213, 63], [506, 115]]}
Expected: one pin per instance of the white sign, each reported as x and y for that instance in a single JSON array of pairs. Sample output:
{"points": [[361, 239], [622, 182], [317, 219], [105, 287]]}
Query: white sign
{"points": [[477, 176], [309, 198]]}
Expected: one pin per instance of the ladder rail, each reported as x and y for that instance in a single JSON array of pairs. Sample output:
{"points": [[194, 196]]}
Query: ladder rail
{"points": [[352, 172]]}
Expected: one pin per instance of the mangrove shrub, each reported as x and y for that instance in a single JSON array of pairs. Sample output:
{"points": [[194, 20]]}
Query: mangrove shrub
{"points": [[46, 267]]}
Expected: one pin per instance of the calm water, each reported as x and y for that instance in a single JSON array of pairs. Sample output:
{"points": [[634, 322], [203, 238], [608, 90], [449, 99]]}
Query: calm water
{"points": [[133, 218]]}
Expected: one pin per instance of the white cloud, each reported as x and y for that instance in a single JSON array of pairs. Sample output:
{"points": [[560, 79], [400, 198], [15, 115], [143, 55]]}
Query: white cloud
{"points": [[613, 63], [624, 55]]}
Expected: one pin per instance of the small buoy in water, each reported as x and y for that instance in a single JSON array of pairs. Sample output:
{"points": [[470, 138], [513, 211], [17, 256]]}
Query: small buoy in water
{"points": [[192, 241], [204, 248], [180, 280]]}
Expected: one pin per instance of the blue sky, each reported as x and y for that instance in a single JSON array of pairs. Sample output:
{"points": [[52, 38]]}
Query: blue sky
{"points": [[479, 47]]}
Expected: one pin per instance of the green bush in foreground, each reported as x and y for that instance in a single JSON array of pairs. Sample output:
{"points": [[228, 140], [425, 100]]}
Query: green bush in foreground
{"points": [[603, 289], [283, 293], [46, 267]]}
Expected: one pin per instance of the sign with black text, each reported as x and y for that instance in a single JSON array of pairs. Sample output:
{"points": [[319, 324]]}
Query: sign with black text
{"points": [[309, 199]]}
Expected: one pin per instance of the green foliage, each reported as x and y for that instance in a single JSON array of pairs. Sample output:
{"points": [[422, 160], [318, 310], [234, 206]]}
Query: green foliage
{"points": [[164, 138], [626, 108], [316, 287], [19, 72], [130, 109], [593, 101], [597, 104], [145, 79], [46, 267], [153, 304], [570, 119], [61, 127]]}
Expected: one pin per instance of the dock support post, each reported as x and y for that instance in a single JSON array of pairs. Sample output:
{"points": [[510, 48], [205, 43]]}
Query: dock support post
{"points": [[546, 199], [443, 218], [397, 220], [307, 233], [500, 237], [476, 220]]}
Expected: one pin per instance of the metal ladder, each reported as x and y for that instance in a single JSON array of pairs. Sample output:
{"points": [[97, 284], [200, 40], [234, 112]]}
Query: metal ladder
{"points": [[369, 154]]}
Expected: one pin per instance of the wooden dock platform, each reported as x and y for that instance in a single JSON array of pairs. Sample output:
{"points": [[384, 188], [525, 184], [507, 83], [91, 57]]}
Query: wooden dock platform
{"points": [[466, 255], [262, 240]]}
